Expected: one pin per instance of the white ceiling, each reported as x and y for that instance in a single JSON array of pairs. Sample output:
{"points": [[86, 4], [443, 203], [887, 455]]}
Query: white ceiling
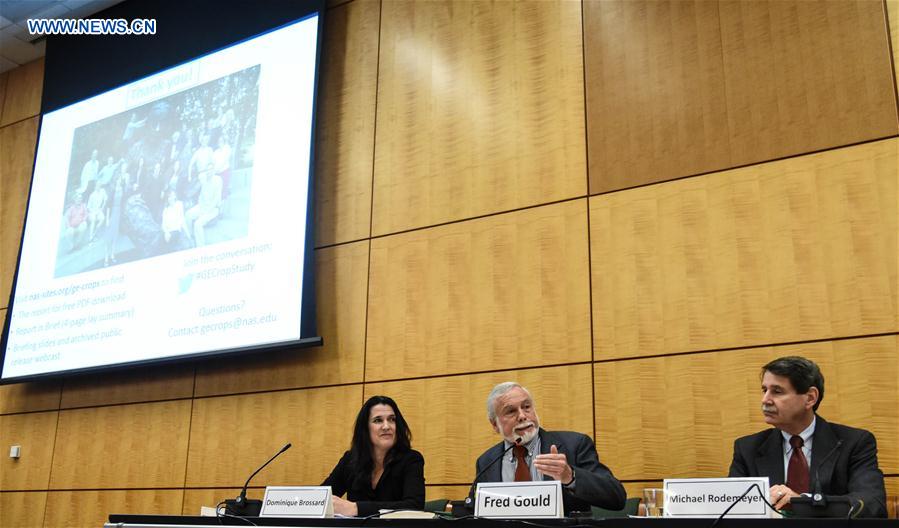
{"points": [[17, 46]]}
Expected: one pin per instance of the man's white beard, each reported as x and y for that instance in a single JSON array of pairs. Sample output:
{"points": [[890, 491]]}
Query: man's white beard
{"points": [[525, 437]]}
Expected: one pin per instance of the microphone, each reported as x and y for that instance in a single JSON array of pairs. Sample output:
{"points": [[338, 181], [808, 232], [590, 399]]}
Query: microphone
{"points": [[249, 507], [818, 496], [820, 505], [469, 500]]}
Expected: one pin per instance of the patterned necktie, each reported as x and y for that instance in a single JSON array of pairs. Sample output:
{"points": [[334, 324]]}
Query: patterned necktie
{"points": [[797, 469], [522, 471]]}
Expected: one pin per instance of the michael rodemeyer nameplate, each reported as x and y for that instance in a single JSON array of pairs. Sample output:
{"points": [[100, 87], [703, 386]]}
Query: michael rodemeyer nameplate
{"points": [[292, 501], [519, 500], [710, 497]]}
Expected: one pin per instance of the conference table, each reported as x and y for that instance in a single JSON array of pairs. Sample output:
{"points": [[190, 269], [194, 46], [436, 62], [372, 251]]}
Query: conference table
{"points": [[174, 521]]}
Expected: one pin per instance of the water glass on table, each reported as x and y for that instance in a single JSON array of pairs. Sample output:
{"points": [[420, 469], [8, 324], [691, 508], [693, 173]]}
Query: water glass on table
{"points": [[654, 501]]}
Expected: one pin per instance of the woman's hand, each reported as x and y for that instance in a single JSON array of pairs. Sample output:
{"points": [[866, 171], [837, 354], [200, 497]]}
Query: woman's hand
{"points": [[344, 507]]}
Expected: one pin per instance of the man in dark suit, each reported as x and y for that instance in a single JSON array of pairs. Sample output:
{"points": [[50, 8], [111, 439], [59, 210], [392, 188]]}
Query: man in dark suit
{"points": [[803, 453], [565, 456]]}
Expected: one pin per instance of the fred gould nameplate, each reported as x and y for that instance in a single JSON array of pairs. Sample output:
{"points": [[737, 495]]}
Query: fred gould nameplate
{"points": [[519, 500], [710, 497], [293, 501]]}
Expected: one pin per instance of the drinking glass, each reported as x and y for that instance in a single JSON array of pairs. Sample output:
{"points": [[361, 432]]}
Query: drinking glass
{"points": [[654, 500]]}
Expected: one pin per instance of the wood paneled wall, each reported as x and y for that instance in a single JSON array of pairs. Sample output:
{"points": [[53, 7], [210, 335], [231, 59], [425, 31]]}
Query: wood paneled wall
{"points": [[786, 251], [627, 206], [503, 292], [687, 87], [480, 107]]}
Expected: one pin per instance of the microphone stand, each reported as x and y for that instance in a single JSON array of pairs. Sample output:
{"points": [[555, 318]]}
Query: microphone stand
{"points": [[243, 506], [466, 507], [817, 504], [818, 498]]}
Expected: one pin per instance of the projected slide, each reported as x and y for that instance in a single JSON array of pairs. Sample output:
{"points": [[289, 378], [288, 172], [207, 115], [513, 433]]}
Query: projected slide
{"points": [[167, 217]]}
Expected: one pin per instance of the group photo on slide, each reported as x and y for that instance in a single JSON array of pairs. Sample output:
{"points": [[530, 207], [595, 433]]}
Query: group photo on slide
{"points": [[167, 176]]}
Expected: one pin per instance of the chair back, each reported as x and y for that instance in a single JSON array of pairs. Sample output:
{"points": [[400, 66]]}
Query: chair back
{"points": [[436, 505], [630, 508]]}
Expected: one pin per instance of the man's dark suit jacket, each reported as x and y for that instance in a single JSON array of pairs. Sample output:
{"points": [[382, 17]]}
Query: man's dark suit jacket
{"points": [[851, 470], [594, 483], [401, 487]]}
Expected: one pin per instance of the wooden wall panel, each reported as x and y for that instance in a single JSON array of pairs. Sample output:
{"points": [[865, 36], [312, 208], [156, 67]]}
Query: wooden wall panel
{"points": [[346, 123], [655, 87], [27, 397], [500, 292], [446, 492], [231, 436], [17, 144], [24, 86], [4, 79], [22, 510], [804, 76], [452, 443], [129, 386], [35, 432], [123, 446], [341, 287], [892, 486], [194, 499], [480, 109], [696, 405], [92, 508], [893, 15], [793, 250], [682, 88]]}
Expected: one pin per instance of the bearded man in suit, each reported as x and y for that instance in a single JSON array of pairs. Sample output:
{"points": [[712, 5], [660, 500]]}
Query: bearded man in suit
{"points": [[537, 454]]}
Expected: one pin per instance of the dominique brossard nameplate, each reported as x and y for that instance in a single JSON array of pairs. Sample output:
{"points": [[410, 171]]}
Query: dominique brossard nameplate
{"points": [[292, 501]]}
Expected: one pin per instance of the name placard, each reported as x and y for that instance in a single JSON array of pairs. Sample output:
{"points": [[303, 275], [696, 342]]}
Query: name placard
{"points": [[709, 497], [519, 500], [292, 501]]}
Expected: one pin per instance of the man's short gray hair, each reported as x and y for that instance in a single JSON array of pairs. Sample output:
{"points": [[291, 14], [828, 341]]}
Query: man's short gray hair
{"points": [[498, 391]]}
